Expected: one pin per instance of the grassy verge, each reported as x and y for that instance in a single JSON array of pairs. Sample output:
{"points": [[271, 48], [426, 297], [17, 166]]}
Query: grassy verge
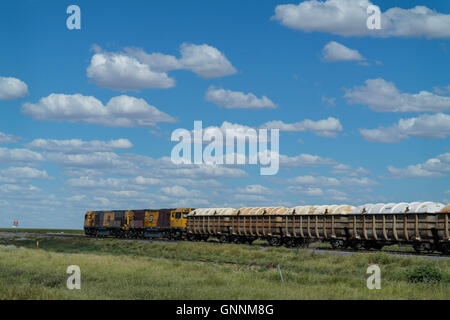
{"points": [[114, 269]]}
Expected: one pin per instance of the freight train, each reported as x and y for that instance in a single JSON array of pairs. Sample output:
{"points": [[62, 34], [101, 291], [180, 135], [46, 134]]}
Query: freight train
{"points": [[424, 225]]}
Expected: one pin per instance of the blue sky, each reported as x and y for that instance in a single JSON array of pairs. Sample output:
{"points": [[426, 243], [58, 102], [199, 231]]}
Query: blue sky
{"points": [[389, 91]]}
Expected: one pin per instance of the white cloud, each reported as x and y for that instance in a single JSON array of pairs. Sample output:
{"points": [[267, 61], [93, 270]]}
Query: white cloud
{"points": [[103, 184], [122, 72], [425, 126], [304, 160], [433, 168], [255, 189], [383, 96], [359, 181], [329, 101], [322, 181], [348, 18], [313, 181], [412, 171], [178, 191], [237, 100], [8, 138], [19, 156], [205, 60], [204, 171], [79, 146], [334, 51], [337, 195], [16, 175], [12, 88], [156, 61], [349, 170], [147, 181], [120, 111], [442, 90], [239, 132], [96, 160], [135, 69], [305, 191], [325, 128]]}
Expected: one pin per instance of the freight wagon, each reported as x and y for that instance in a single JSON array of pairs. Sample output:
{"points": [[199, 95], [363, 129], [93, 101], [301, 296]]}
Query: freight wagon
{"points": [[148, 223], [425, 225]]}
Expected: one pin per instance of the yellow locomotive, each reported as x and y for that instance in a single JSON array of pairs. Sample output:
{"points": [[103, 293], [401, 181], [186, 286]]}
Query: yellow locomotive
{"points": [[148, 223]]}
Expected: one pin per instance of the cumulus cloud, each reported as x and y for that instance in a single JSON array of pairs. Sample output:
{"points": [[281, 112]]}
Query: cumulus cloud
{"points": [[79, 146], [304, 160], [96, 160], [205, 60], [432, 168], [383, 96], [325, 128], [155, 61], [348, 18], [337, 195], [313, 181], [12, 88], [104, 184], [350, 171], [177, 191], [236, 132], [21, 174], [322, 181], [305, 191], [425, 126], [334, 51], [19, 156], [237, 100], [329, 101], [8, 138], [442, 90], [204, 171], [134, 69], [122, 72], [255, 189], [359, 181], [121, 111]]}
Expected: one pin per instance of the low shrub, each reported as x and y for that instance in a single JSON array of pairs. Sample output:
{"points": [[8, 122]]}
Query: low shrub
{"points": [[426, 273]]}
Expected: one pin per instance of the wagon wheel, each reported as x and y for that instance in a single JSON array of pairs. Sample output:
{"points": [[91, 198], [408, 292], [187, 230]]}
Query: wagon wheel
{"points": [[367, 245], [356, 245], [335, 244], [378, 246], [289, 242], [223, 238], [276, 242], [445, 248]]}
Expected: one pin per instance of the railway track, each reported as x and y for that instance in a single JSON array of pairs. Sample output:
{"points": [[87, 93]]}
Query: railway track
{"points": [[318, 250]]}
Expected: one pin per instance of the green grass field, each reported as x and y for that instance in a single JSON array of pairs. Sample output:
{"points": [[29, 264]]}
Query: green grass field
{"points": [[31, 230], [114, 269]]}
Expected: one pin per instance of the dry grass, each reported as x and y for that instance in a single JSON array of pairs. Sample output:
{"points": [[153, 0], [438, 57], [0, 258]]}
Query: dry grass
{"points": [[113, 269]]}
